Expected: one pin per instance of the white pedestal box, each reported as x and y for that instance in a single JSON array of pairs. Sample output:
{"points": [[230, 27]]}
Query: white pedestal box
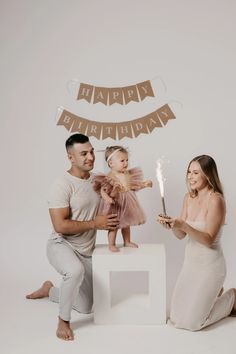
{"points": [[130, 286]]}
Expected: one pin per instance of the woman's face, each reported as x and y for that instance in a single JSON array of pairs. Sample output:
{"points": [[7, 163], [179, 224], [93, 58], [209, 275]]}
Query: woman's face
{"points": [[196, 177]]}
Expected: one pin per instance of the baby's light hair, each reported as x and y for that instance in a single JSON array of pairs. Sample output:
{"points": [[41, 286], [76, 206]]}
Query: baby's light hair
{"points": [[112, 150]]}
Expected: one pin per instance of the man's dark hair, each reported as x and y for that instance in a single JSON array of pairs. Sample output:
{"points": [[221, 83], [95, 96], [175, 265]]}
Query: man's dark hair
{"points": [[76, 138]]}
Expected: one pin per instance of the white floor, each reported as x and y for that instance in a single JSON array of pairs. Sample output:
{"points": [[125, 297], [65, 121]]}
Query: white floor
{"points": [[28, 327]]}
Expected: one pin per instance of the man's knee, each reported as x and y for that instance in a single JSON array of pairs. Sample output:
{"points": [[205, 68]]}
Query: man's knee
{"points": [[75, 273]]}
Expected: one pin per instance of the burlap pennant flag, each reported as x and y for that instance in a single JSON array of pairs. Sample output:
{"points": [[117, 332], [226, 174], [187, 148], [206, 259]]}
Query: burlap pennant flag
{"points": [[145, 89], [153, 121], [94, 129], [165, 113], [115, 96], [66, 119], [80, 125], [124, 130], [139, 126], [85, 92], [100, 95], [130, 93], [109, 130]]}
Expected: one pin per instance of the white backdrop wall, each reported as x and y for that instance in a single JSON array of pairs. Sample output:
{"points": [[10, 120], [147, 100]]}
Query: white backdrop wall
{"points": [[189, 44]]}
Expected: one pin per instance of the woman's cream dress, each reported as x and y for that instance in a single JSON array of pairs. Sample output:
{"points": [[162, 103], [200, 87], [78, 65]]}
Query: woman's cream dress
{"points": [[195, 302]]}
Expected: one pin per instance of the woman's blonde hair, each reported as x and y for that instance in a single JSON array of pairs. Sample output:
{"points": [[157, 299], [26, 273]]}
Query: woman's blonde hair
{"points": [[209, 169]]}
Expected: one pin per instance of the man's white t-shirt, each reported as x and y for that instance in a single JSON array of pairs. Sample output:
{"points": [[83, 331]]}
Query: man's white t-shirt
{"points": [[79, 196]]}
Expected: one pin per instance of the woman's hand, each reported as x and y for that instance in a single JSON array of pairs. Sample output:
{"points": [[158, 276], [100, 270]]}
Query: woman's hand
{"points": [[164, 221], [171, 223], [177, 224]]}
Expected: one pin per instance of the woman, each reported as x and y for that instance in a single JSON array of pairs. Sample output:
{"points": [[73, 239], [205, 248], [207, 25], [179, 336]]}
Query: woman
{"points": [[198, 299]]}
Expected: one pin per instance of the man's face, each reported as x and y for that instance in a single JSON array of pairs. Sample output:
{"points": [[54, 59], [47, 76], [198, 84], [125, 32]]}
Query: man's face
{"points": [[82, 156]]}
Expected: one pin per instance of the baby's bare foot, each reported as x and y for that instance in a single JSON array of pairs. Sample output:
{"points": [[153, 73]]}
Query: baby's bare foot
{"points": [[41, 292], [130, 244], [64, 331], [113, 248]]}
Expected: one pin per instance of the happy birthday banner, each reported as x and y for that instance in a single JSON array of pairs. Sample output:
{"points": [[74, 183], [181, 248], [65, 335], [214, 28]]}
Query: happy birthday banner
{"points": [[130, 129], [120, 95]]}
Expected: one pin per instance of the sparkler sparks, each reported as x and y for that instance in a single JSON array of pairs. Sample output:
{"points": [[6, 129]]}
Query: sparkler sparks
{"points": [[160, 179]]}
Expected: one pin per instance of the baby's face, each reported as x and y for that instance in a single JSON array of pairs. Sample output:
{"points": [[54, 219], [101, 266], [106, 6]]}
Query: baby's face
{"points": [[119, 162]]}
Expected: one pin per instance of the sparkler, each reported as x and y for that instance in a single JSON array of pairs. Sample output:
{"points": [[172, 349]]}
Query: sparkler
{"points": [[161, 180]]}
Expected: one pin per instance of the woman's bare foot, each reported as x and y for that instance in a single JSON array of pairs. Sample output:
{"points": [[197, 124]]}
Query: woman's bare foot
{"points": [[64, 331], [113, 248], [221, 292], [130, 244], [233, 312], [41, 292]]}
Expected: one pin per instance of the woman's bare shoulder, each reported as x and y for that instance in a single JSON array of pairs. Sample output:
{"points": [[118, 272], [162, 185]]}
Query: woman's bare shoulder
{"points": [[187, 197], [217, 200], [217, 197]]}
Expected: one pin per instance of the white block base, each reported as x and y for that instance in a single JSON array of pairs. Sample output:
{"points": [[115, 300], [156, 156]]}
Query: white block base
{"points": [[130, 286]]}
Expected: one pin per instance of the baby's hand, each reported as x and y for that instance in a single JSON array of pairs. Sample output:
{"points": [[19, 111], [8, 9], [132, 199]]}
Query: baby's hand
{"points": [[148, 183]]}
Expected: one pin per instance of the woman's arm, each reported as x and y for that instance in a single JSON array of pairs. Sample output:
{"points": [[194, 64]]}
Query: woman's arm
{"points": [[180, 234], [214, 220]]}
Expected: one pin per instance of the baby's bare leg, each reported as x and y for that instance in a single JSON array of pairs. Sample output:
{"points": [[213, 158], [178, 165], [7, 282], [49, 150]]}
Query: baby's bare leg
{"points": [[126, 237], [112, 241]]}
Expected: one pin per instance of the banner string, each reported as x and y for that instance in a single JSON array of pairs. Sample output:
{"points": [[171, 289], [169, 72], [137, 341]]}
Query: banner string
{"points": [[58, 112], [173, 102]]}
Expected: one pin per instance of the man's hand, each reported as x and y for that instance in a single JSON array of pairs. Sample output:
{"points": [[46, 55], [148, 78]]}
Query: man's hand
{"points": [[106, 222]]}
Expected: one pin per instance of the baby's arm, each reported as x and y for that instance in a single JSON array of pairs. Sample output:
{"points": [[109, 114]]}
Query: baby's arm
{"points": [[106, 197], [145, 184], [136, 179]]}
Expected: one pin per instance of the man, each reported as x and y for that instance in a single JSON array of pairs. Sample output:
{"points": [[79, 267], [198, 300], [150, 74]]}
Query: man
{"points": [[72, 206]]}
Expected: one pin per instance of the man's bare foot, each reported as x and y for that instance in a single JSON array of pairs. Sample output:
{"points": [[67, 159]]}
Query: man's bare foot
{"points": [[113, 248], [41, 292], [130, 244], [64, 331]]}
